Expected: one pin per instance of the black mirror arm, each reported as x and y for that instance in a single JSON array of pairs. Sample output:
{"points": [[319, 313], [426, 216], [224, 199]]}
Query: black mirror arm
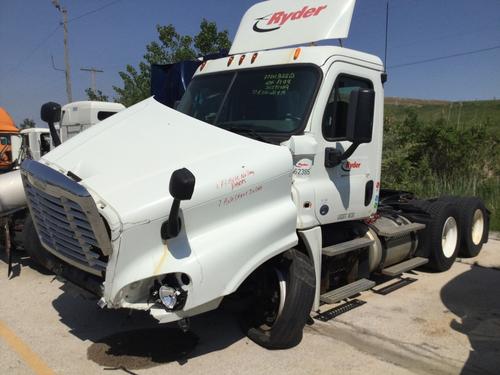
{"points": [[334, 157], [53, 134], [172, 227]]}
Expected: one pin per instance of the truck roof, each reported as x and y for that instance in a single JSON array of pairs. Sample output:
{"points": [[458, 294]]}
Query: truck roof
{"points": [[277, 24], [87, 104], [6, 123], [35, 130], [316, 55]]}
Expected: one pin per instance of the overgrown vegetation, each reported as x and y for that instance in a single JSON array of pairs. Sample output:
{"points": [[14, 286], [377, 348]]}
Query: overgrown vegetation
{"points": [[434, 155]]}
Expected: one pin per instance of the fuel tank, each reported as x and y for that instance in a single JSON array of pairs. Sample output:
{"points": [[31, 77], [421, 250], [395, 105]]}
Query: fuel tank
{"points": [[12, 195]]}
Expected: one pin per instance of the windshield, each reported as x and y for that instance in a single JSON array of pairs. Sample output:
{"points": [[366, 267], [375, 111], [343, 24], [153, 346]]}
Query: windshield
{"points": [[274, 100]]}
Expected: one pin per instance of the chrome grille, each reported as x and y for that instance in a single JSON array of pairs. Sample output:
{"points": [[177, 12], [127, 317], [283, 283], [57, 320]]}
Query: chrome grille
{"points": [[66, 220]]}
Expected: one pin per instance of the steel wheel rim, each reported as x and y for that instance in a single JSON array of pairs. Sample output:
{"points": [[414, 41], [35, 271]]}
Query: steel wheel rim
{"points": [[449, 237], [477, 226], [277, 304], [282, 288]]}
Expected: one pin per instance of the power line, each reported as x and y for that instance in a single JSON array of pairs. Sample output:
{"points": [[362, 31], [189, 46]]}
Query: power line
{"points": [[445, 36], [444, 57], [94, 10], [38, 46]]}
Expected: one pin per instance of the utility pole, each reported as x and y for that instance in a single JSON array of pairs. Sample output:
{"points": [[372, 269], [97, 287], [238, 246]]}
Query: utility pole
{"points": [[92, 71], [64, 23]]}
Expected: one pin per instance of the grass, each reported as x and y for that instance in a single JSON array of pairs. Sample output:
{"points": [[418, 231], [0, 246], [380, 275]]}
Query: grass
{"points": [[489, 191], [464, 114]]}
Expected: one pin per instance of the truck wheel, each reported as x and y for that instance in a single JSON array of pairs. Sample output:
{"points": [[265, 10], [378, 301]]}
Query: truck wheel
{"points": [[474, 225], [282, 302], [34, 248], [442, 235]]}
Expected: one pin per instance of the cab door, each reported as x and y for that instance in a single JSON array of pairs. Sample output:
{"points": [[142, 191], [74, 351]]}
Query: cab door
{"points": [[347, 191]]}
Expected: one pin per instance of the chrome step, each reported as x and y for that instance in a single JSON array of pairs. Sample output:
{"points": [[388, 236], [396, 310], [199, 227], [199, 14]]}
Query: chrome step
{"points": [[345, 247], [399, 231], [349, 290], [405, 266]]}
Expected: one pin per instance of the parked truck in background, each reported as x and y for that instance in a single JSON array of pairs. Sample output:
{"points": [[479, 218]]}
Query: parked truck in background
{"points": [[264, 185], [9, 142]]}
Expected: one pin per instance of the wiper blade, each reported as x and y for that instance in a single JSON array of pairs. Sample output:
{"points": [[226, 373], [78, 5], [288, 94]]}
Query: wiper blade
{"points": [[247, 131]]}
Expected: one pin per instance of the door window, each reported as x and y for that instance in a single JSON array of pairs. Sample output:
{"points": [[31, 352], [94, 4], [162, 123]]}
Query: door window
{"points": [[337, 107]]}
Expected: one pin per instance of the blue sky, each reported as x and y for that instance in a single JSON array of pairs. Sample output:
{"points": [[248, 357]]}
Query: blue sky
{"points": [[116, 35]]}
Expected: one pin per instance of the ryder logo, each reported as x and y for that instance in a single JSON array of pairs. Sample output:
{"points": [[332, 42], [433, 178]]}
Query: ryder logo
{"points": [[278, 19], [349, 165]]}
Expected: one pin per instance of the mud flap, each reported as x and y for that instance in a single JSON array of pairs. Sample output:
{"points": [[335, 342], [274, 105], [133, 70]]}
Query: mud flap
{"points": [[8, 250]]}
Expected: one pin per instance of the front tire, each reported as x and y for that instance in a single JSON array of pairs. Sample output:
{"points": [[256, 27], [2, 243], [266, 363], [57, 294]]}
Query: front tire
{"points": [[282, 302]]}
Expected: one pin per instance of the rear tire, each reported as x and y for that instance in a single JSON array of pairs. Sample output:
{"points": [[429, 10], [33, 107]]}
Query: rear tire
{"points": [[282, 302], [474, 224], [442, 235]]}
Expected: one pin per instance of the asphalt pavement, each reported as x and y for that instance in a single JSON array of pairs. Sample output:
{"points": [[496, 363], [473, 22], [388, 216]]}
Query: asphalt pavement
{"points": [[445, 323]]}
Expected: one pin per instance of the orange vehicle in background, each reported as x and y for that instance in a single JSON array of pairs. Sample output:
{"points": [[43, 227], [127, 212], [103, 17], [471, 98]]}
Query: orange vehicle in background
{"points": [[8, 131]]}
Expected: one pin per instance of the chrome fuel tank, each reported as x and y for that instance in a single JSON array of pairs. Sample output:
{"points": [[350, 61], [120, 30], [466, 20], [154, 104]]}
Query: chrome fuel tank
{"points": [[12, 195]]}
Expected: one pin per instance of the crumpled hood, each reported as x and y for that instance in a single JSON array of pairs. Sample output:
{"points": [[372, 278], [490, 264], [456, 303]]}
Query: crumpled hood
{"points": [[126, 160]]}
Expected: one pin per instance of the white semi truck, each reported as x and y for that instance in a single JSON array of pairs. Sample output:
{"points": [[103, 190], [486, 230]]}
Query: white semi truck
{"points": [[264, 185]]}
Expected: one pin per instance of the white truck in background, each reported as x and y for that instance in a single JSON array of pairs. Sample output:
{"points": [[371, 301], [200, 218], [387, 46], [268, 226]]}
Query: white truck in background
{"points": [[36, 142], [264, 186]]}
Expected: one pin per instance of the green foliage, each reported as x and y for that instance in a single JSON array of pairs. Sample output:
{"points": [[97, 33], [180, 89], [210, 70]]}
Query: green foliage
{"points": [[432, 158], [172, 47], [96, 95], [27, 123]]}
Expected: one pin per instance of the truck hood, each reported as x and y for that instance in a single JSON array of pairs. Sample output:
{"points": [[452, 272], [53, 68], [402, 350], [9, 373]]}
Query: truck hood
{"points": [[126, 161]]}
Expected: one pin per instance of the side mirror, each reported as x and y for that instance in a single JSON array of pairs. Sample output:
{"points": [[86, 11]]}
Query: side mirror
{"points": [[181, 188], [359, 126], [360, 116], [51, 113]]}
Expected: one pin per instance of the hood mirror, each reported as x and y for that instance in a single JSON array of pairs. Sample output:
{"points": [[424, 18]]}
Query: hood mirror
{"points": [[181, 188], [51, 113]]}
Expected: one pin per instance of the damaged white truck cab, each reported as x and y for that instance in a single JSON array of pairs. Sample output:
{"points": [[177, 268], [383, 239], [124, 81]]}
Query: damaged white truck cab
{"points": [[264, 182]]}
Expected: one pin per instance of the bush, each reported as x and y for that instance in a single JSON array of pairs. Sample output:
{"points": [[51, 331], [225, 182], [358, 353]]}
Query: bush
{"points": [[435, 158]]}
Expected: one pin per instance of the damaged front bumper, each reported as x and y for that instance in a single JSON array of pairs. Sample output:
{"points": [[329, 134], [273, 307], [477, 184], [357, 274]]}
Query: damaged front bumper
{"points": [[71, 227]]}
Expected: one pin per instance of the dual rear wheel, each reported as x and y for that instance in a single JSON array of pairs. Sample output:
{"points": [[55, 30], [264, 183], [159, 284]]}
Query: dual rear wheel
{"points": [[457, 227]]}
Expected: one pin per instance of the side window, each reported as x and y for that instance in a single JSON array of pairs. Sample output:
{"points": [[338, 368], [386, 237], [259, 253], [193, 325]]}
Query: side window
{"points": [[103, 115], [337, 107], [44, 144]]}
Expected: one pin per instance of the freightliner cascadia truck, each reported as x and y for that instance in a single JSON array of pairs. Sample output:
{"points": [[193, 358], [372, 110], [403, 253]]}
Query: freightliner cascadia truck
{"points": [[263, 185]]}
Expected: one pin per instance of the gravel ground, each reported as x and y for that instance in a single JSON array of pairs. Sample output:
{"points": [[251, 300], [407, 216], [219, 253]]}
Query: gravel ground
{"points": [[440, 324]]}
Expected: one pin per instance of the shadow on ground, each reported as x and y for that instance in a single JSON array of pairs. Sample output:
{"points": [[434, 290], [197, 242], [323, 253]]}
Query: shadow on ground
{"points": [[475, 297], [19, 260], [133, 340]]}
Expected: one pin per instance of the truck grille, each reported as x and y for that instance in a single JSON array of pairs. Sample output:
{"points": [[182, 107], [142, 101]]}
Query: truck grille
{"points": [[64, 226]]}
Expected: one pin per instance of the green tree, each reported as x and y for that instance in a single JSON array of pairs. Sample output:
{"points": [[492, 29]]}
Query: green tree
{"points": [[171, 47], [96, 95], [27, 123]]}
